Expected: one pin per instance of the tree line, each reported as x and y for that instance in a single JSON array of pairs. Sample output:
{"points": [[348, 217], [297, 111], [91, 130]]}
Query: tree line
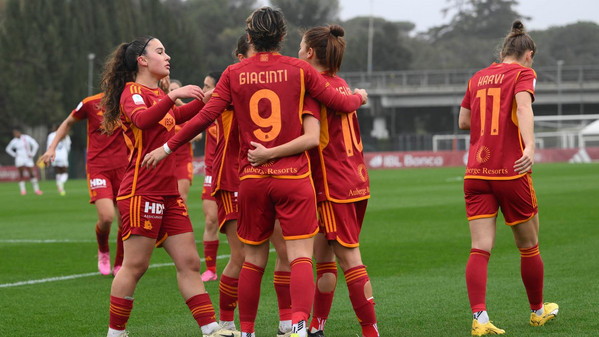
{"points": [[44, 45]]}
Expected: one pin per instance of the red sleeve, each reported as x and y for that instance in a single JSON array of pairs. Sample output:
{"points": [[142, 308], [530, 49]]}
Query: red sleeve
{"points": [[142, 116], [466, 101], [526, 81], [219, 101], [187, 111], [320, 89], [80, 112], [311, 107]]}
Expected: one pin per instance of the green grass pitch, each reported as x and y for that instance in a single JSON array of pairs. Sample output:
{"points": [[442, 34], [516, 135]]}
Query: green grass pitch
{"points": [[415, 242]]}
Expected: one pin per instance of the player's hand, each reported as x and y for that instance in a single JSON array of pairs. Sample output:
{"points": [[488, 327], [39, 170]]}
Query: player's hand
{"points": [[153, 158], [47, 157], [524, 164], [258, 155], [362, 93], [188, 91], [207, 95]]}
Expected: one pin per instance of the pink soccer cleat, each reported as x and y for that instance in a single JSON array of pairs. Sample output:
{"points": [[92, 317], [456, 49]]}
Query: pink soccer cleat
{"points": [[39, 192], [23, 193], [104, 263], [209, 275]]}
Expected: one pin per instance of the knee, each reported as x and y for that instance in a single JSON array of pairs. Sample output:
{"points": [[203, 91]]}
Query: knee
{"points": [[191, 264], [327, 282]]}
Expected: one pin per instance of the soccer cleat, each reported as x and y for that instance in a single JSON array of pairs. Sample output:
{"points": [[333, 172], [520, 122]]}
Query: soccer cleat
{"points": [[117, 333], [39, 192], [283, 334], [485, 329], [115, 270], [224, 333], [550, 310], [318, 333], [209, 275], [104, 263], [23, 192]]}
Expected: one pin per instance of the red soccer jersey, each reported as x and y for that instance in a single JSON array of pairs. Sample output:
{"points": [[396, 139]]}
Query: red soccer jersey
{"points": [[495, 139], [225, 164], [104, 152], [146, 128], [338, 167], [184, 154], [267, 91], [209, 148]]}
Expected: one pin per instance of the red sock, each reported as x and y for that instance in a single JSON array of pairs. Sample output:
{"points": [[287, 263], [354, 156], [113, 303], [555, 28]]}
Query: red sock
{"points": [[228, 297], [201, 308], [356, 278], [281, 282], [210, 249], [250, 278], [118, 259], [102, 238], [120, 310], [531, 269], [322, 301], [476, 278], [301, 289]]}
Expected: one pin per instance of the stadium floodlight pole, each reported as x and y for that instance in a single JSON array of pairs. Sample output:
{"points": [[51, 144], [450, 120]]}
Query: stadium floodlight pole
{"points": [[90, 73], [370, 38], [560, 63]]}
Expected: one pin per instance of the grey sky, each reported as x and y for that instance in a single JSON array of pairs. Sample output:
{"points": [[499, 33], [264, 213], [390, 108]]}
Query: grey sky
{"points": [[427, 13]]}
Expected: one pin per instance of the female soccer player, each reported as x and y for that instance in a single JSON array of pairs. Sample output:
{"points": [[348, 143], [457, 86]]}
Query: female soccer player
{"points": [[497, 109], [153, 212], [342, 189], [23, 147], [267, 92], [61, 161], [105, 166], [209, 205]]}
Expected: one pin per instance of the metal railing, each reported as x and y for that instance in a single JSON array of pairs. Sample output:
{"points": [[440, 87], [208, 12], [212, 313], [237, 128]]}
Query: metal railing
{"points": [[428, 78]]}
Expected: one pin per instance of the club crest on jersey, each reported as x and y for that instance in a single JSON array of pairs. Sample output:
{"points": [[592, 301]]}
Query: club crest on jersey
{"points": [[168, 122], [137, 99], [97, 183], [153, 208]]}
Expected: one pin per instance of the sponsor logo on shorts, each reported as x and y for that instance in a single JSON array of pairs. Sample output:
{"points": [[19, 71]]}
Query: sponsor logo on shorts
{"points": [[97, 183], [153, 208]]}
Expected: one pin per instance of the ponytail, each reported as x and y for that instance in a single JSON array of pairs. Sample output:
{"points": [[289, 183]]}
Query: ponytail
{"points": [[517, 42], [328, 45], [120, 68]]}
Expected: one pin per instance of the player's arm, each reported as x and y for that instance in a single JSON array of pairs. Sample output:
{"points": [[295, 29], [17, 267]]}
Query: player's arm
{"points": [[185, 112], [61, 132], [309, 139], [526, 125], [11, 150], [322, 91], [34, 146], [464, 118]]}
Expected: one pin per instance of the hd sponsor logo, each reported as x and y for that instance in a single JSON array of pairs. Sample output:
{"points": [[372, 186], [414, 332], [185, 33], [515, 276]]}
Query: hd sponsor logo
{"points": [[153, 208], [97, 183]]}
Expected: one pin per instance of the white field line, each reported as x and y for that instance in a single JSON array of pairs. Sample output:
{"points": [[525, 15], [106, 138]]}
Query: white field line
{"points": [[76, 276], [70, 277]]}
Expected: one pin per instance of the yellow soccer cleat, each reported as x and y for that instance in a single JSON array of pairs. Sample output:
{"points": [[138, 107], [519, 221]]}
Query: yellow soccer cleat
{"points": [[485, 329], [550, 310]]}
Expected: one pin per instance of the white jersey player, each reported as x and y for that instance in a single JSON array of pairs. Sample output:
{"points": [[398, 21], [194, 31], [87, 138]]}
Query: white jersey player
{"points": [[23, 148], [61, 160]]}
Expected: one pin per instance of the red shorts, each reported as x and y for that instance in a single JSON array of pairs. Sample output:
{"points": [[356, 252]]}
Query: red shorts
{"points": [[516, 198], [104, 184], [227, 207], [154, 217], [207, 189], [342, 222], [262, 200], [184, 170]]}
